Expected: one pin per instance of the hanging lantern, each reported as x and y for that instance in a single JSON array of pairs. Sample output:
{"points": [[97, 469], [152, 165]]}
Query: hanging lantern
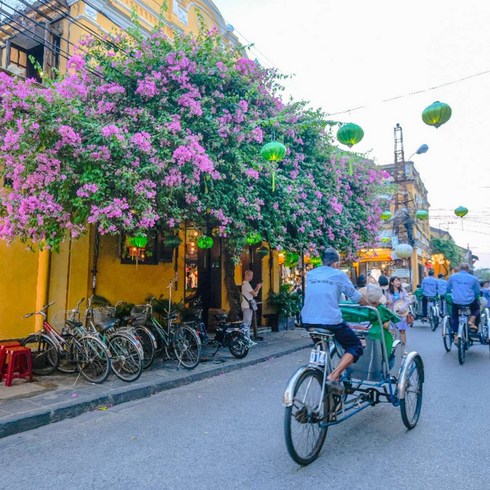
{"points": [[404, 250], [205, 241], [385, 239], [461, 211], [138, 240], [262, 251], [291, 259], [386, 215], [422, 214], [253, 238], [315, 261], [436, 114], [134, 251], [274, 152], [350, 134]]}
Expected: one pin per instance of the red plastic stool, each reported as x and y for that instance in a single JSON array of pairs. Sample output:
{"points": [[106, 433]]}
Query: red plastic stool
{"points": [[3, 354], [19, 364]]}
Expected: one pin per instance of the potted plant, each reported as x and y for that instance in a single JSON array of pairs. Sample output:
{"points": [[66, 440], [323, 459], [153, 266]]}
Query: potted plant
{"points": [[288, 304]]}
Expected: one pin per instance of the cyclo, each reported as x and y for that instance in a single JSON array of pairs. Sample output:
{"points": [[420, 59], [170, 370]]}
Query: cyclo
{"points": [[377, 377]]}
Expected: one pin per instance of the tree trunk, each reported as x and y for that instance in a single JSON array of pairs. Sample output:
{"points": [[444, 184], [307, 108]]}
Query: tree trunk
{"points": [[232, 290]]}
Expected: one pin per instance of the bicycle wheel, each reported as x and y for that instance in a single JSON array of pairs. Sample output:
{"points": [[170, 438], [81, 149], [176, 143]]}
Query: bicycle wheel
{"points": [[160, 339], [67, 362], [447, 335], [433, 319], [44, 352], [149, 344], [186, 346], [462, 344], [93, 359], [127, 361], [304, 434], [238, 345], [411, 405]]}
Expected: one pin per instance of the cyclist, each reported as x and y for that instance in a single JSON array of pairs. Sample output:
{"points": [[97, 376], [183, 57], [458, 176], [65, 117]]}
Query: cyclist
{"points": [[465, 290], [485, 291], [441, 291], [324, 287], [429, 291]]}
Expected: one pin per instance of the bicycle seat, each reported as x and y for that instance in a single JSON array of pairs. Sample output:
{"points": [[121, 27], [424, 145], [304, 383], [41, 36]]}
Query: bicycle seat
{"points": [[106, 325], [465, 311]]}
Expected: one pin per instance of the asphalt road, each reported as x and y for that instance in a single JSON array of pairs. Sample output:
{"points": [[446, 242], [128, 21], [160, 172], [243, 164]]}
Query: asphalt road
{"points": [[227, 432]]}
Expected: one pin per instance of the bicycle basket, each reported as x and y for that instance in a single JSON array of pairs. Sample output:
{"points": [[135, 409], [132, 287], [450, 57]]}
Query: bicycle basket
{"points": [[104, 313]]}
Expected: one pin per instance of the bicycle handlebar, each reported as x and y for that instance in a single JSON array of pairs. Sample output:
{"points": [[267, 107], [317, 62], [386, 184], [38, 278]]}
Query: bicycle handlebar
{"points": [[42, 311]]}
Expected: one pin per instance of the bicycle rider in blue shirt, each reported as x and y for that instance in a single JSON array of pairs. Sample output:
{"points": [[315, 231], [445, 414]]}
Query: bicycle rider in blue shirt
{"points": [[465, 289], [429, 291], [441, 291]]}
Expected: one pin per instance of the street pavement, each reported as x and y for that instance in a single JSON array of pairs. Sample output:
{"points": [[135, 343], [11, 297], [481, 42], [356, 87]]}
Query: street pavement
{"points": [[52, 398], [227, 432]]}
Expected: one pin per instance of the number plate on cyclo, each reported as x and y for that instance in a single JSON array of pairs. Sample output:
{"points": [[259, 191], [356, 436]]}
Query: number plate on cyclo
{"points": [[318, 357]]}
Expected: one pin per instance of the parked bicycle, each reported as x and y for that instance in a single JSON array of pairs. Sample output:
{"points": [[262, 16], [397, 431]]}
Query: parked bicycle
{"points": [[126, 350], [72, 350], [177, 341]]}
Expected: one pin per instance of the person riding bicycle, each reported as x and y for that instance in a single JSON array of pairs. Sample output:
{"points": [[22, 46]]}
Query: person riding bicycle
{"points": [[465, 291], [441, 291], [324, 287], [429, 291]]}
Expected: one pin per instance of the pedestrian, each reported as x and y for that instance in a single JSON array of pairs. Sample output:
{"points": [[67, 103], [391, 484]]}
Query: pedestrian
{"points": [[465, 290], [398, 301], [361, 281], [383, 283], [324, 287], [248, 304]]}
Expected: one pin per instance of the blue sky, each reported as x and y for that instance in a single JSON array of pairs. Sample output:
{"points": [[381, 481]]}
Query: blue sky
{"points": [[348, 54]]}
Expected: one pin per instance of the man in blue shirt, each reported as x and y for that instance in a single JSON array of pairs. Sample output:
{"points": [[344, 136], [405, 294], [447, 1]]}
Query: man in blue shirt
{"points": [[429, 291], [324, 286], [441, 291], [465, 290]]}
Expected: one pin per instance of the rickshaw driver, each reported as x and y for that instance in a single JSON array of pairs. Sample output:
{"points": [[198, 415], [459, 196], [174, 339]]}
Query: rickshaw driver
{"points": [[465, 290], [324, 286]]}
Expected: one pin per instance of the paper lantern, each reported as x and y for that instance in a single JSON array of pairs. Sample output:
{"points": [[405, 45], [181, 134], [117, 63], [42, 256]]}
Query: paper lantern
{"points": [[461, 211], [291, 259], [274, 151], [205, 242], [386, 215], [404, 250], [350, 134], [422, 214], [315, 261], [138, 240], [253, 238], [436, 114]]}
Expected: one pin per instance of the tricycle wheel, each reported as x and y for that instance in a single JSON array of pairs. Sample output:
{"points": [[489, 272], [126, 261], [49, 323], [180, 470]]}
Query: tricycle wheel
{"points": [[411, 404], [304, 434]]}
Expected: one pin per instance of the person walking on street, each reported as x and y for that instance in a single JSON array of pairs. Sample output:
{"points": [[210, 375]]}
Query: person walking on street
{"points": [[398, 301], [429, 291], [248, 300], [465, 290], [324, 287], [441, 291]]}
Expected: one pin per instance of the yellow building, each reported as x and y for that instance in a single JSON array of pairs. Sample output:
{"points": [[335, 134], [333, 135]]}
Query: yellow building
{"points": [[49, 32]]}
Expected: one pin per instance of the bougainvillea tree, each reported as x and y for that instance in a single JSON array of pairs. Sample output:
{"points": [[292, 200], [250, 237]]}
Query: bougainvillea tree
{"points": [[146, 133]]}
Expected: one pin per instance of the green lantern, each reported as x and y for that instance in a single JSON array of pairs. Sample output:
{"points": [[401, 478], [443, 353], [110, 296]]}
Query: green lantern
{"points": [[386, 215], [274, 151], [422, 214], [262, 251], [291, 259], [138, 240], [350, 134], [461, 211], [316, 261], [253, 238], [436, 114], [385, 239], [205, 241]]}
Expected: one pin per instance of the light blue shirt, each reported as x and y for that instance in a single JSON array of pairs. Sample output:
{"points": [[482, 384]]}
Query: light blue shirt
{"points": [[441, 286], [464, 287], [324, 286], [429, 287]]}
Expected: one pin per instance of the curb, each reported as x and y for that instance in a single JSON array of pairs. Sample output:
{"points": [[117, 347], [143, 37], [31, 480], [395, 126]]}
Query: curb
{"points": [[72, 409]]}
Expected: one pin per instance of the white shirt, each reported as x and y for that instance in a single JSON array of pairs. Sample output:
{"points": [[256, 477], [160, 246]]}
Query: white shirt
{"points": [[247, 295]]}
